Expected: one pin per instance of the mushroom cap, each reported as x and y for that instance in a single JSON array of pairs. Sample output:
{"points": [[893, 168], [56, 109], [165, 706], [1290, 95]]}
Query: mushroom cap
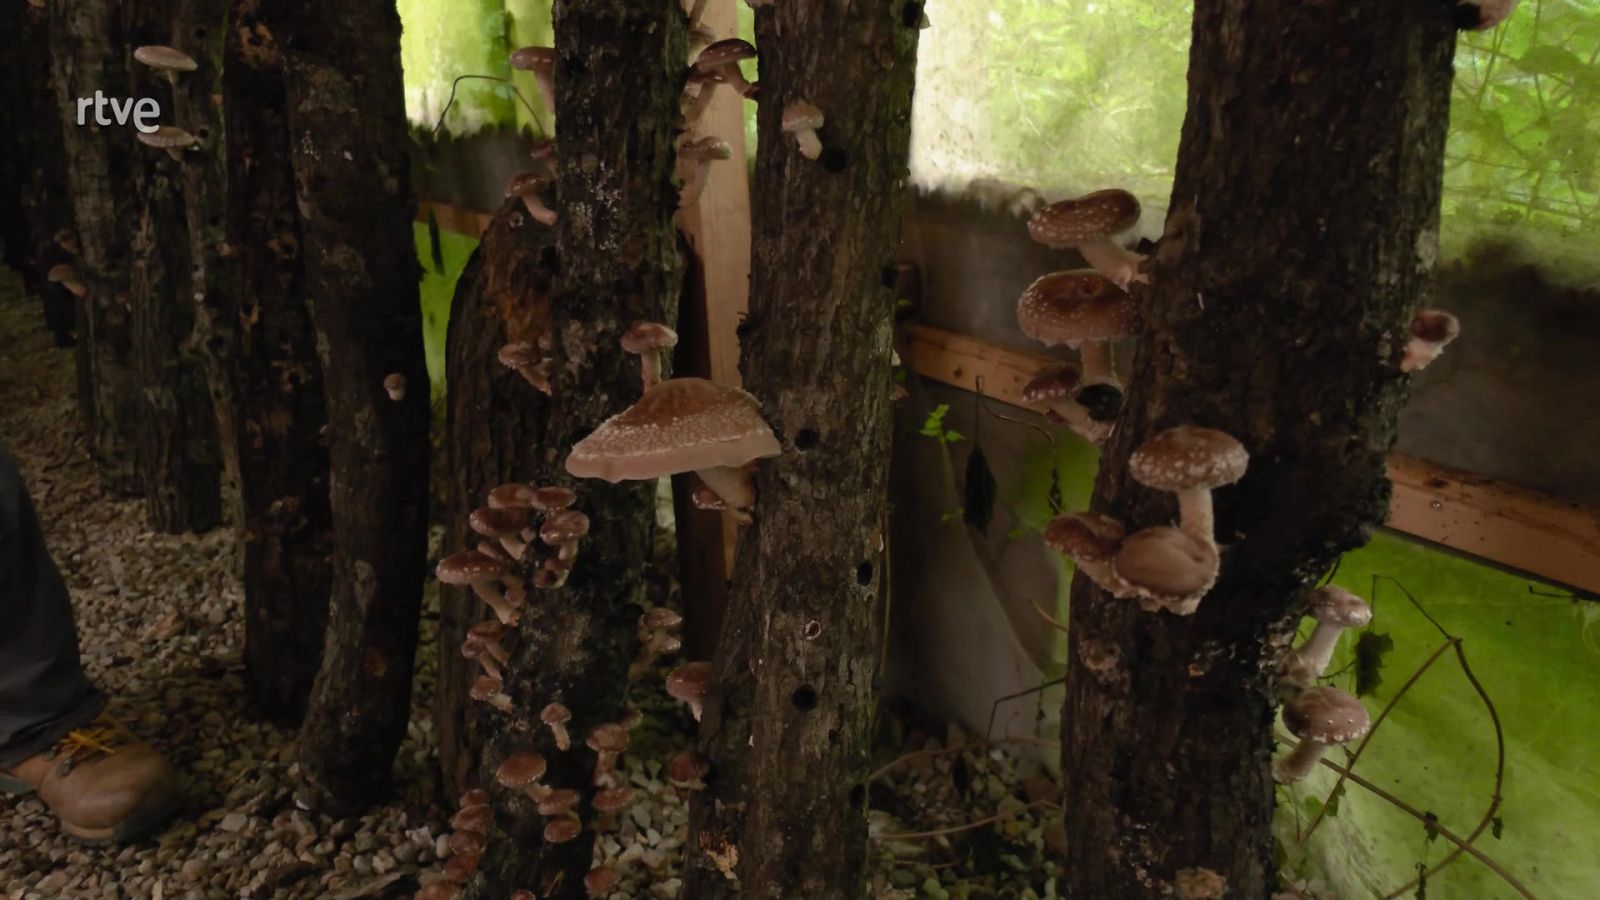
{"points": [[517, 354], [660, 617], [473, 818], [1435, 326], [690, 681], [1326, 715], [514, 494], [563, 526], [646, 336], [550, 498], [469, 567], [688, 765], [801, 115], [545, 149], [488, 630], [1336, 606], [559, 831], [1188, 457], [555, 712], [474, 797], [520, 769], [1076, 306], [1166, 564], [612, 799], [1054, 384], [158, 57], [440, 890], [678, 425], [1085, 537], [706, 148], [600, 880], [611, 737], [61, 272], [467, 843], [723, 52], [459, 869], [498, 521], [1069, 223], [703, 497], [529, 182], [534, 59], [166, 137], [558, 802], [485, 686]]}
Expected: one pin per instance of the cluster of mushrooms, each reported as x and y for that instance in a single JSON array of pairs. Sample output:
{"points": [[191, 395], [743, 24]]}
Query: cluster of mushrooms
{"points": [[172, 64]]}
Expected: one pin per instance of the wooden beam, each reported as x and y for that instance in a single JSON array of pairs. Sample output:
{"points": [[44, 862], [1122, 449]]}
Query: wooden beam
{"points": [[1480, 517]]}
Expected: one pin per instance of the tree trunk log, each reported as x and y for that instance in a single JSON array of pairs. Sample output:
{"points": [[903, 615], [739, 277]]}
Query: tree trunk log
{"points": [[787, 727], [619, 76], [178, 455], [494, 434], [348, 142], [87, 54], [1301, 238]]}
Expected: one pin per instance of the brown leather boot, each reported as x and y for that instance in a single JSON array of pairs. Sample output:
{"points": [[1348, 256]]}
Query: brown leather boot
{"points": [[102, 783]]}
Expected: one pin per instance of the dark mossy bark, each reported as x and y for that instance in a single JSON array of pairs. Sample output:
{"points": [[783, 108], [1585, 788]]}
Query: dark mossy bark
{"points": [[348, 143], [787, 726], [1301, 238], [254, 326], [178, 455], [87, 54], [494, 434], [619, 76]]}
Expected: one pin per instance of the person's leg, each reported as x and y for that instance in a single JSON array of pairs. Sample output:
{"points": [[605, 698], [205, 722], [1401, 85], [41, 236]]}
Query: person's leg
{"points": [[43, 690]]}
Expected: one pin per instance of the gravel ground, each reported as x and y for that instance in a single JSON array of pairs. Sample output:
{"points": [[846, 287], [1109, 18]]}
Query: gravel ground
{"points": [[159, 624]]}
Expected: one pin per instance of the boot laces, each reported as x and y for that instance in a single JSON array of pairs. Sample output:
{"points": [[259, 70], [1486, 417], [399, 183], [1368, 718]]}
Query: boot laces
{"points": [[83, 744]]}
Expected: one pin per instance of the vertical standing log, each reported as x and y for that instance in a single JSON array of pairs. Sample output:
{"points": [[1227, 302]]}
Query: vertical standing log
{"points": [[787, 726], [618, 79], [87, 54], [1301, 237], [177, 454], [348, 143], [266, 381], [494, 434]]}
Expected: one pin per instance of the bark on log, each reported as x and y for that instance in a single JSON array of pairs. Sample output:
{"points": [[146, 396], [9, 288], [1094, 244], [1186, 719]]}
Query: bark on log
{"points": [[494, 434], [87, 54], [619, 75], [348, 140], [1301, 238], [787, 725], [178, 454]]}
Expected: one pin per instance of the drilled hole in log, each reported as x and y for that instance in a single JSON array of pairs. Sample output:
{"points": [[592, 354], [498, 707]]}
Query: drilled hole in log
{"points": [[804, 698], [858, 795], [833, 160], [864, 573], [805, 440]]}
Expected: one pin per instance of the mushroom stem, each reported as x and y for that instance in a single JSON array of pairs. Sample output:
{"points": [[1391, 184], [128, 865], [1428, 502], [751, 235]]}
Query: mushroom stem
{"points": [[650, 366], [1076, 418], [488, 593], [1195, 515], [1317, 652], [1299, 763], [542, 214], [546, 83], [1114, 262], [732, 483], [1098, 366], [810, 144]]}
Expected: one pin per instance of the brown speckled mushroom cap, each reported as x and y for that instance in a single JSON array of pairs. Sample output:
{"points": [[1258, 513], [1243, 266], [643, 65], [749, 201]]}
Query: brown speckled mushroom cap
{"points": [[167, 137], [558, 802], [688, 765], [646, 336], [520, 769], [559, 831], [1055, 384], [610, 737], [512, 494], [1076, 306], [690, 682], [473, 818], [1166, 564], [802, 114], [492, 521], [165, 58], [658, 617], [1336, 606], [485, 686], [474, 797], [1068, 223], [529, 182], [706, 148], [1326, 715], [677, 426], [468, 567], [552, 497], [534, 59], [612, 799], [1085, 536], [467, 843], [563, 526], [1188, 457], [600, 881], [721, 53], [555, 712]]}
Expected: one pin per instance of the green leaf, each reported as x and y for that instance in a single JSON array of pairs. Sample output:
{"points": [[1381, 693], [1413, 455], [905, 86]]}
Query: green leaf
{"points": [[1548, 59], [1371, 648], [980, 491], [933, 424]]}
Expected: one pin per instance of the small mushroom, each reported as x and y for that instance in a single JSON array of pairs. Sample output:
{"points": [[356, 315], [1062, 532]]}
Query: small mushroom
{"points": [[802, 119], [690, 683], [472, 568], [475, 649], [1056, 389], [1166, 569], [694, 166], [557, 716], [1191, 462], [1088, 224], [468, 844], [504, 524], [520, 357], [688, 770], [1334, 610], [553, 497], [66, 276], [559, 802], [527, 186], [459, 869], [170, 138], [563, 529], [511, 494], [473, 818], [1431, 331], [67, 239], [607, 741], [440, 890], [541, 61], [723, 58], [609, 802], [1085, 311], [559, 831], [523, 772], [650, 341], [395, 386], [166, 60], [655, 638], [488, 689], [1091, 541], [600, 881], [1320, 717]]}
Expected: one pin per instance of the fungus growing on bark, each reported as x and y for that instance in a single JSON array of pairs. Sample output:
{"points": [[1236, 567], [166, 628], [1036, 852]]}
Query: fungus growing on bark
{"points": [[681, 425], [559, 831], [1088, 224], [440, 890], [694, 166], [483, 645], [526, 186], [688, 769], [473, 818], [170, 138], [690, 683], [504, 524], [802, 119], [1056, 390], [166, 60], [522, 771], [600, 881], [650, 341], [66, 276], [1190, 462], [459, 869], [522, 358], [552, 497], [468, 844], [723, 58], [512, 494], [541, 61], [488, 689], [1320, 717], [563, 529], [1091, 541], [475, 649], [1431, 331], [556, 717], [1166, 569], [472, 568], [607, 741], [1334, 610], [1084, 311], [67, 239], [559, 802], [655, 638], [609, 802]]}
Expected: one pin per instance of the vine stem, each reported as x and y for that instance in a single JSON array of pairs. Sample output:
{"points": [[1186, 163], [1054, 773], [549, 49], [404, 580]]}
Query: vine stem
{"points": [[968, 826], [451, 100]]}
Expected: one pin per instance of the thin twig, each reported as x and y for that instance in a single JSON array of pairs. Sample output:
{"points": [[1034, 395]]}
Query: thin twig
{"points": [[456, 82], [968, 826], [1054, 622], [892, 764]]}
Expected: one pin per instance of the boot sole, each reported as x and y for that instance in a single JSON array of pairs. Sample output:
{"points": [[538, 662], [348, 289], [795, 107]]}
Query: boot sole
{"points": [[133, 826]]}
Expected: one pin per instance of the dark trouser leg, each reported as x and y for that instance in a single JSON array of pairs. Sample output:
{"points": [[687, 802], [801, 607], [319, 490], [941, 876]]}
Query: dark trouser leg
{"points": [[43, 690]]}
